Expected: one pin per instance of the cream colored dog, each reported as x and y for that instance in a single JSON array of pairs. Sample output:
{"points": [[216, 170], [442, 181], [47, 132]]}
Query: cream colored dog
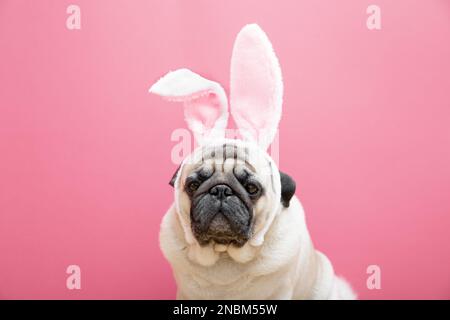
{"points": [[236, 229]]}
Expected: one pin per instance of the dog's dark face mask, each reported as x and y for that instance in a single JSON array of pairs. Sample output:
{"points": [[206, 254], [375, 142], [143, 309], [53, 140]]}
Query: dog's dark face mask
{"points": [[222, 202]]}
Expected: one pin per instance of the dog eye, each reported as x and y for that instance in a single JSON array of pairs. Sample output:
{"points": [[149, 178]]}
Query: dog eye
{"points": [[193, 186], [251, 188]]}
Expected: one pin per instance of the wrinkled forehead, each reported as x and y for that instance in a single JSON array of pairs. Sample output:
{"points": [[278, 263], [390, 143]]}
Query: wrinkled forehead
{"points": [[231, 155]]}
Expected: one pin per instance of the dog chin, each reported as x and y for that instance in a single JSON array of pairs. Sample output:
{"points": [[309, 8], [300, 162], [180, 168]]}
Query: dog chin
{"points": [[224, 223], [220, 233]]}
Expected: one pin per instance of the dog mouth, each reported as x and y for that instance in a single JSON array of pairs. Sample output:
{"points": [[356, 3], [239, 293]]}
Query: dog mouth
{"points": [[220, 231]]}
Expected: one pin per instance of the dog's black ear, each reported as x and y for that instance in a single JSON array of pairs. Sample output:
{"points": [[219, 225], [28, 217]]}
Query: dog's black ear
{"points": [[287, 189], [174, 177]]}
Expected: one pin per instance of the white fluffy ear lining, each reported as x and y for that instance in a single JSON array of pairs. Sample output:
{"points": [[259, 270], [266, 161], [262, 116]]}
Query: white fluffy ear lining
{"points": [[205, 102], [256, 88]]}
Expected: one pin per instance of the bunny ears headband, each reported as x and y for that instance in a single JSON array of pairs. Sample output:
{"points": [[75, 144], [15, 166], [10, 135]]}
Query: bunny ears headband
{"points": [[256, 91]]}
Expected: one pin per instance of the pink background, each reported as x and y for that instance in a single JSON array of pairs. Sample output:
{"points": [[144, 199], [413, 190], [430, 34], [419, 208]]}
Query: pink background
{"points": [[85, 150]]}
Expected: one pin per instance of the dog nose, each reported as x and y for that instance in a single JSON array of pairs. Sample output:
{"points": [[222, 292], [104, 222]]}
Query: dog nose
{"points": [[221, 191]]}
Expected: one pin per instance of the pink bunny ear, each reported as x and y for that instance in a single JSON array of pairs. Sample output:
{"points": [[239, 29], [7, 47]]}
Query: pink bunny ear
{"points": [[205, 102], [256, 90]]}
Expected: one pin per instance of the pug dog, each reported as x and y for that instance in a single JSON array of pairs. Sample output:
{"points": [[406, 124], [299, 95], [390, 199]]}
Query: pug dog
{"points": [[236, 230]]}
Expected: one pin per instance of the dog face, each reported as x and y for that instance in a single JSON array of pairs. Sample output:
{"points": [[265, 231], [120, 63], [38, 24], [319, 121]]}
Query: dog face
{"points": [[228, 194], [223, 191]]}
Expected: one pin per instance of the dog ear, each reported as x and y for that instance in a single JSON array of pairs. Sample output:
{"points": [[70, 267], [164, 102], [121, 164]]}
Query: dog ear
{"points": [[174, 177], [287, 189]]}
